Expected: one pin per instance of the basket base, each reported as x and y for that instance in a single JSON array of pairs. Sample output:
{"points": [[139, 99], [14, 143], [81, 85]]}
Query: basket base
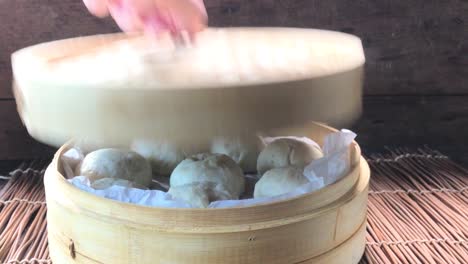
{"points": [[327, 226], [350, 251]]}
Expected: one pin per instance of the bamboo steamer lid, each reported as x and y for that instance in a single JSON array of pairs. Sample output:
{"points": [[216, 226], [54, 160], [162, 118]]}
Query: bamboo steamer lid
{"points": [[114, 88]]}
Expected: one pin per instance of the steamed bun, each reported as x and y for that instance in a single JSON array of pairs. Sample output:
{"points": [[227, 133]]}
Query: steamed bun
{"points": [[193, 194], [199, 195], [218, 170], [163, 156], [279, 181], [117, 164], [286, 152], [243, 150]]}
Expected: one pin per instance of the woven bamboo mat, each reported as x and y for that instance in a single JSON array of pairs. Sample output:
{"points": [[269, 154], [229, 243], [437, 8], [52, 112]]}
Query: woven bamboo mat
{"points": [[417, 213]]}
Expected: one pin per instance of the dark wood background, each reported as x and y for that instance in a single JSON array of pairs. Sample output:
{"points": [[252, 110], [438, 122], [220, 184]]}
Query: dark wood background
{"points": [[416, 89]]}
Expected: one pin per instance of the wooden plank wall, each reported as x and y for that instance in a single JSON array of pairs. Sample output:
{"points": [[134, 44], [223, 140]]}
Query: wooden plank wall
{"points": [[416, 89]]}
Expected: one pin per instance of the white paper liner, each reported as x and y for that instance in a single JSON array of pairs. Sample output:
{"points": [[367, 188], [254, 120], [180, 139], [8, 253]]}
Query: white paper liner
{"points": [[320, 173]]}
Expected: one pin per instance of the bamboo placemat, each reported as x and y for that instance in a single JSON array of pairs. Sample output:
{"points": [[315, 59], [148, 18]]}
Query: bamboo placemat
{"points": [[417, 213]]}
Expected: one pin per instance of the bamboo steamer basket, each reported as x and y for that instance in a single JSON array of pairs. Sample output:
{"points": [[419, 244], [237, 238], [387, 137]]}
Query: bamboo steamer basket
{"points": [[63, 75], [326, 226]]}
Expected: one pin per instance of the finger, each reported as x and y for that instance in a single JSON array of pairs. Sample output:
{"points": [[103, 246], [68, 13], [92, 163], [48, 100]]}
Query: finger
{"points": [[155, 25], [97, 7], [125, 16], [154, 17], [188, 15], [159, 16], [201, 7], [177, 14]]}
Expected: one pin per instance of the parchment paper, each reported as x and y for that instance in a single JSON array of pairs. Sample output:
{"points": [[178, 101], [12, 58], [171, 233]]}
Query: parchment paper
{"points": [[320, 173]]}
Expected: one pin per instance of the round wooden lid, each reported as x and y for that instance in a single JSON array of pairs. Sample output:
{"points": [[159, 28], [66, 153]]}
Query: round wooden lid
{"points": [[112, 89]]}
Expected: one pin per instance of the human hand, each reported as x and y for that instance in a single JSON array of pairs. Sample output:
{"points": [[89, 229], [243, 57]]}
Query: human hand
{"points": [[153, 16]]}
